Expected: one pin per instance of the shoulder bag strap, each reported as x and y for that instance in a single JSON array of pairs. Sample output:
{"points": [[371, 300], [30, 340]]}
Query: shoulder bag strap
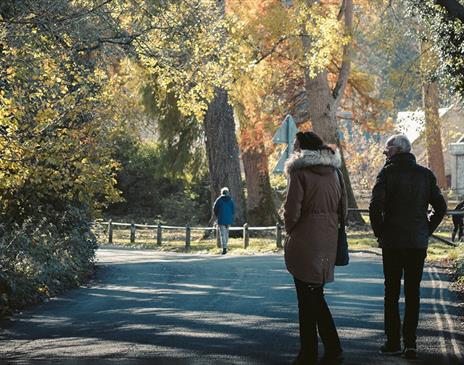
{"points": [[340, 208]]}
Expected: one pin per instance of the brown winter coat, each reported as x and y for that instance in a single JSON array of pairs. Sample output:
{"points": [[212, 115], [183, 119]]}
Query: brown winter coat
{"points": [[311, 214]]}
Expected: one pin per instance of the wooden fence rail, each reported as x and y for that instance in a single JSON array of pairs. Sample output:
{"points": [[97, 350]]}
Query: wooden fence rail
{"points": [[159, 232], [279, 232]]}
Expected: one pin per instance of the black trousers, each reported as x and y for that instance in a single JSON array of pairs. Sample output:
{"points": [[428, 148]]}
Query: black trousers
{"points": [[397, 262], [314, 317], [457, 227]]}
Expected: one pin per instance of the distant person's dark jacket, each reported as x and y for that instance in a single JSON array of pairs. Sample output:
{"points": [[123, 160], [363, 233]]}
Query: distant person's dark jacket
{"points": [[458, 219], [399, 205], [224, 210]]}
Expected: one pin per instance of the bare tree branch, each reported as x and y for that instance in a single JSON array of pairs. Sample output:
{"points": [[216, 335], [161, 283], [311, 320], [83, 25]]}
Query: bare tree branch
{"points": [[346, 62], [271, 51], [342, 10]]}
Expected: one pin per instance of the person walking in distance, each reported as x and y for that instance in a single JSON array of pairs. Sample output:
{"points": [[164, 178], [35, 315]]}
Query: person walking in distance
{"points": [[224, 211], [315, 201], [401, 222], [458, 222]]}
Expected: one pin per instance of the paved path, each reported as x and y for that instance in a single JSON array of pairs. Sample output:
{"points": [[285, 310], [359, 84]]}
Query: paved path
{"points": [[159, 308]]}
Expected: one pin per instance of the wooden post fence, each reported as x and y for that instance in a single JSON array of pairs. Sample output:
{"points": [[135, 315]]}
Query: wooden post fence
{"points": [[110, 231], [158, 234], [246, 236], [132, 233], [278, 229], [187, 237]]}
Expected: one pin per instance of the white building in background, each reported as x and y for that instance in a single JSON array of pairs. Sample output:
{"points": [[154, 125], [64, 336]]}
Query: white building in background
{"points": [[412, 124], [457, 167]]}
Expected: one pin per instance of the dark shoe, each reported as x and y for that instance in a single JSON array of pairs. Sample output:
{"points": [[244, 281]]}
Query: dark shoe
{"points": [[224, 251], [410, 353], [388, 349], [332, 358]]}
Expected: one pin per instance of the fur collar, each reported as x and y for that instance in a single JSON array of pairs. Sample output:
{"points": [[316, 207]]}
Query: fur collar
{"points": [[309, 158]]}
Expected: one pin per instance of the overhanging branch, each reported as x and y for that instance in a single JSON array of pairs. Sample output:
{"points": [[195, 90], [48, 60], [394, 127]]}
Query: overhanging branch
{"points": [[453, 8]]}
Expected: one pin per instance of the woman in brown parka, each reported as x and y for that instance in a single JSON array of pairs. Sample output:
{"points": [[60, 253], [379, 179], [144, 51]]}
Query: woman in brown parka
{"points": [[316, 198]]}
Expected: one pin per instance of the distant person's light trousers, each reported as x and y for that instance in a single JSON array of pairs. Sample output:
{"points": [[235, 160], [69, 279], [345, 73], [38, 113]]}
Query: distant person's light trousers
{"points": [[396, 262], [224, 232]]}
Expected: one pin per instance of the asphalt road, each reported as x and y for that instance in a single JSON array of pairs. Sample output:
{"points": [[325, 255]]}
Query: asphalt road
{"points": [[158, 308]]}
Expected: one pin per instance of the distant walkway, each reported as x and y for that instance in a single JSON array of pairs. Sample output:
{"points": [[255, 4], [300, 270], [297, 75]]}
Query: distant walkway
{"points": [[159, 308]]}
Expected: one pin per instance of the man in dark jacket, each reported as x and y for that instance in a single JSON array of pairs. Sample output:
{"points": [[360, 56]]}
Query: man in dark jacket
{"points": [[224, 211], [458, 222], [399, 218]]}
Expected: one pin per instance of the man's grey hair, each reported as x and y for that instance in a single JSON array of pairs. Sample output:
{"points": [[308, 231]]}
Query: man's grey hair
{"points": [[400, 141], [225, 191]]}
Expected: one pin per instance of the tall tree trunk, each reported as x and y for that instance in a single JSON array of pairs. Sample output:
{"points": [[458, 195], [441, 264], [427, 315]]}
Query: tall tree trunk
{"points": [[223, 153], [222, 147], [324, 101], [260, 203], [260, 206], [430, 104], [322, 109], [435, 158], [323, 118]]}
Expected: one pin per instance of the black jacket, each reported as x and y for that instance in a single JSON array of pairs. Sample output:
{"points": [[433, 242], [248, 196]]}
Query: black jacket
{"points": [[399, 205], [458, 219]]}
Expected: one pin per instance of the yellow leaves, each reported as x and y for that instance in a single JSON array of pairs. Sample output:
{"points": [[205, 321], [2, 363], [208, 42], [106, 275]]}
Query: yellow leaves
{"points": [[10, 71], [324, 35], [36, 157], [64, 89], [6, 103], [100, 75], [46, 115], [43, 290], [53, 121], [188, 53]]}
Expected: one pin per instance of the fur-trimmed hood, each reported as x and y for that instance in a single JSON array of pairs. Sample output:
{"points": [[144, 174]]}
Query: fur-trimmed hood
{"points": [[310, 158]]}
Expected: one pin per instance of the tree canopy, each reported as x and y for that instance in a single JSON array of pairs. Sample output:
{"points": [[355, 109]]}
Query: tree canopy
{"points": [[52, 137], [444, 20]]}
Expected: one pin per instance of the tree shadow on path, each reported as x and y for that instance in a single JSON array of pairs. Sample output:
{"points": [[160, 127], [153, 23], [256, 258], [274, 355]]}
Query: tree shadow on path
{"points": [[198, 310]]}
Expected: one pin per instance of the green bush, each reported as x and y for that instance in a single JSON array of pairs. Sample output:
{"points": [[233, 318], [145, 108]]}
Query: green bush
{"points": [[42, 257], [152, 189]]}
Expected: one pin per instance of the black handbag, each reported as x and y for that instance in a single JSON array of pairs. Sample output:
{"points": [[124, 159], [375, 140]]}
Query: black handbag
{"points": [[343, 257]]}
